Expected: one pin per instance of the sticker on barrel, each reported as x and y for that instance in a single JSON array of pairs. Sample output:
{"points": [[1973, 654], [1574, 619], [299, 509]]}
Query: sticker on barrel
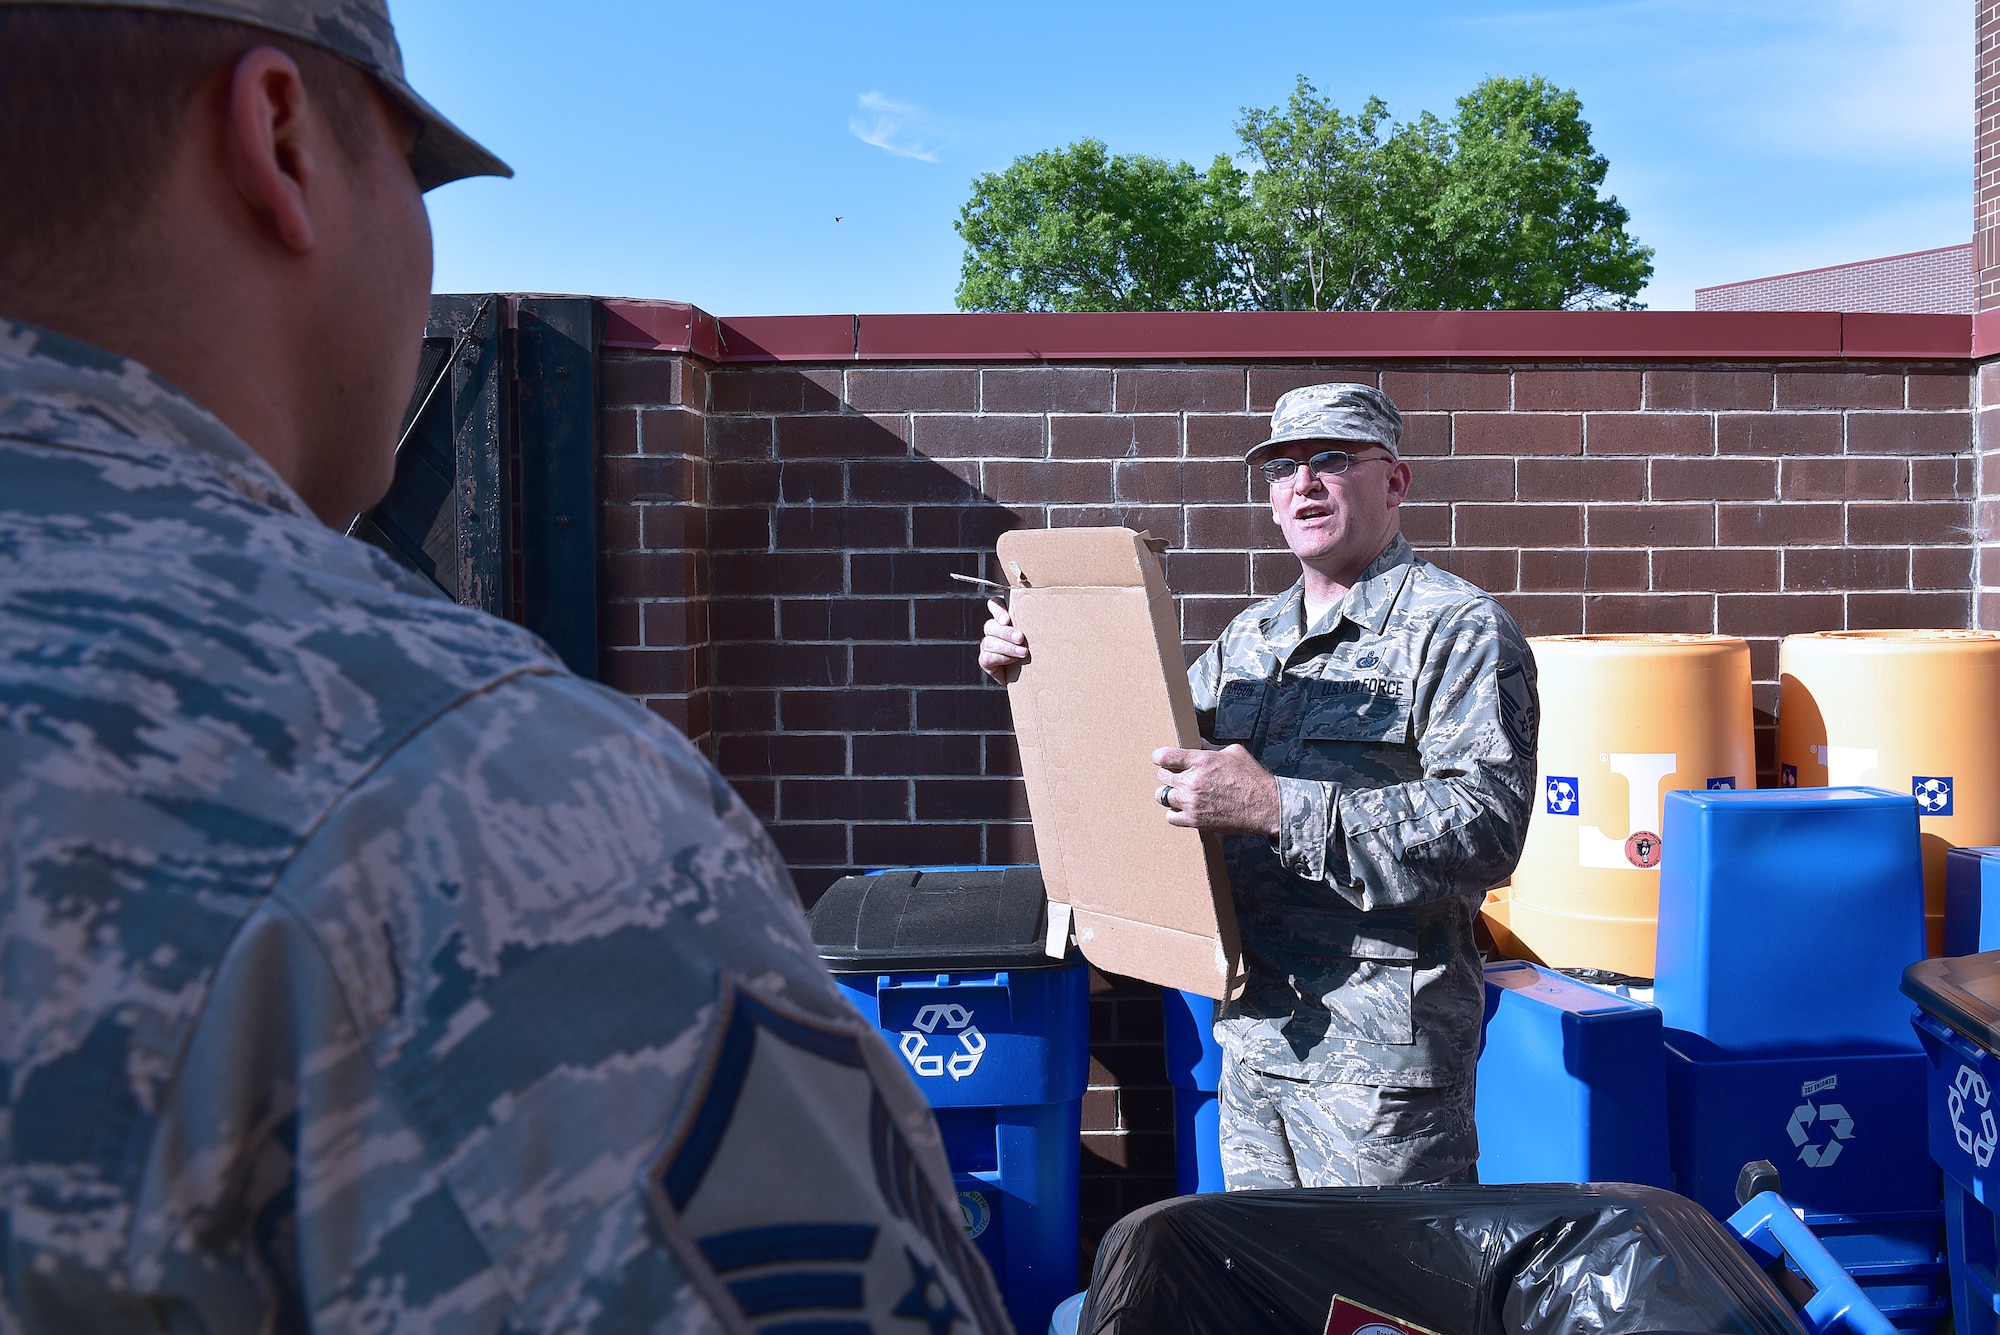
{"points": [[1642, 849], [1347, 1317]]}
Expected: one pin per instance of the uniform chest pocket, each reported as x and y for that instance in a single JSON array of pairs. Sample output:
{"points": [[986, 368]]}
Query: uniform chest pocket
{"points": [[1236, 710], [1358, 709]]}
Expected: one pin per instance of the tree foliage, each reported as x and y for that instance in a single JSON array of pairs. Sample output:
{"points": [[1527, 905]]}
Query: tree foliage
{"points": [[1498, 208]]}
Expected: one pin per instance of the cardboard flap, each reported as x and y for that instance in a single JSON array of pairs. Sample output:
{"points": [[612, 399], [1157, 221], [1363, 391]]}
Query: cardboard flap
{"points": [[1105, 686]]}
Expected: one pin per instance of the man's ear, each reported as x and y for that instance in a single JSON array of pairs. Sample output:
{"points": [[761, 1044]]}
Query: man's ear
{"points": [[1399, 482], [273, 149]]}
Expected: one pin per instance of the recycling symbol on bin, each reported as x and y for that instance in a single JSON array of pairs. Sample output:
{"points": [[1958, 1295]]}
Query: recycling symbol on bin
{"points": [[1969, 1084], [1840, 1127], [956, 1019]]}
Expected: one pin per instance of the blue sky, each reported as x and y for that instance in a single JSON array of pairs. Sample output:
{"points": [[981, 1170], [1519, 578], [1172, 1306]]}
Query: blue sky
{"points": [[703, 152]]}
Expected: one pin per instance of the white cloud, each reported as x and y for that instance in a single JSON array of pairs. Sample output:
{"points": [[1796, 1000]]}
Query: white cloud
{"points": [[892, 126]]}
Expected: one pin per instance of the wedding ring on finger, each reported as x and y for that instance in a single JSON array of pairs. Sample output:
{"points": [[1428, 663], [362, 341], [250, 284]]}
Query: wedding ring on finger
{"points": [[1165, 797]]}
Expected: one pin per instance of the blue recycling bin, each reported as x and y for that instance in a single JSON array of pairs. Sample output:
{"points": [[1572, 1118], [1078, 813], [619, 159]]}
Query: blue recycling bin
{"points": [[949, 964], [1572, 1082], [1786, 917], [1971, 900], [1958, 1021], [1194, 1069]]}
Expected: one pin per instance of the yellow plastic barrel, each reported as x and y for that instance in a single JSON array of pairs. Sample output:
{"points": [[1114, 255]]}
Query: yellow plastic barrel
{"points": [[1915, 711], [1626, 719]]}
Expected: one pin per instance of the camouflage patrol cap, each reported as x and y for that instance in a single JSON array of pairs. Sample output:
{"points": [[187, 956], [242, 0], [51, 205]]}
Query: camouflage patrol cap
{"points": [[1339, 411], [359, 31]]}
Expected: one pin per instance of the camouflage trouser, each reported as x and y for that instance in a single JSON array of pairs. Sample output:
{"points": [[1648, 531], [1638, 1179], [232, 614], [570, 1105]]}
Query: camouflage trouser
{"points": [[1283, 1132]]}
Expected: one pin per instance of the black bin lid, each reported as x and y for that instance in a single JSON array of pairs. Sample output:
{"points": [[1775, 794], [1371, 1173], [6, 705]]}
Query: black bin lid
{"points": [[948, 919], [1962, 991]]}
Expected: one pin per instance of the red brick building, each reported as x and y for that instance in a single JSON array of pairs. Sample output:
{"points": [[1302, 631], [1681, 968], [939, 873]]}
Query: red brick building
{"points": [[1935, 281]]}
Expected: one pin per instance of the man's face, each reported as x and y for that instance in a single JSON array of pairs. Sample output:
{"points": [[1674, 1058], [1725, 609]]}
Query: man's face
{"points": [[1338, 524], [372, 317]]}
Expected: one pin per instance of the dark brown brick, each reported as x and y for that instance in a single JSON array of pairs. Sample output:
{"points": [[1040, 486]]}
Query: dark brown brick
{"points": [[675, 623], [1465, 479], [1788, 525], [1923, 523], [1847, 568], [761, 796], [619, 527], [846, 527], [1517, 433], [915, 481], [915, 665], [1714, 479], [975, 526], [745, 711], [1114, 437], [843, 799], [1208, 572], [1651, 525], [957, 617], [1648, 614], [848, 711], [1698, 390], [1046, 389], [781, 664], [1180, 482], [650, 671], [1581, 568], [1162, 521], [1839, 389], [1227, 436], [1232, 527], [627, 480], [912, 754], [923, 843], [1897, 611], [1202, 619], [1268, 382], [1941, 568], [1940, 389], [639, 381], [1010, 844], [1649, 433], [1178, 389], [844, 618], [740, 390], [1846, 479], [1426, 525], [971, 799], [1425, 435], [1909, 433], [843, 436], [673, 431], [1448, 391], [1948, 479], [981, 709], [807, 844], [1713, 570], [617, 431], [1545, 613], [908, 572], [1476, 525], [622, 626], [1582, 479], [648, 575], [790, 573], [949, 436], [1494, 569], [1048, 482], [1778, 433], [921, 389], [1272, 572], [739, 438], [779, 754], [740, 528], [743, 618], [1773, 614], [1576, 391]]}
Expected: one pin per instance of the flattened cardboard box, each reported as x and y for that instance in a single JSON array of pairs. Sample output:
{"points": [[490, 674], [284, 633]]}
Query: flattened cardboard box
{"points": [[1103, 688]]}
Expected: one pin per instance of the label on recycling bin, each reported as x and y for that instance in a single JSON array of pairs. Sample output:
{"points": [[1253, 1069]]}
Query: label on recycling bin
{"points": [[1347, 1317]]}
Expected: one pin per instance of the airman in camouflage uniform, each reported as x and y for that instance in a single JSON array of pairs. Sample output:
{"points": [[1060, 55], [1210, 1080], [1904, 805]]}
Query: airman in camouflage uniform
{"points": [[1378, 753], [365, 970]]}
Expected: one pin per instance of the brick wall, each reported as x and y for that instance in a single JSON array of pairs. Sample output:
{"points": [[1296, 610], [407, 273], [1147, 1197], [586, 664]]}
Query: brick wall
{"points": [[779, 539], [1939, 280]]}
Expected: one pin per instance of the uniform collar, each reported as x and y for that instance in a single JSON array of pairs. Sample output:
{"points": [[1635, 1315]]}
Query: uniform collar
{"points": [[1368, 601], [58, 391]]}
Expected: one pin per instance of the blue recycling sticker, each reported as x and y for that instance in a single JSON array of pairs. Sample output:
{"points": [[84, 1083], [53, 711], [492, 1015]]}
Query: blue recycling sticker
{"points": [[1562, 795], [978, 1214], [1788, 776], [1727, 783], [1933, 793]]}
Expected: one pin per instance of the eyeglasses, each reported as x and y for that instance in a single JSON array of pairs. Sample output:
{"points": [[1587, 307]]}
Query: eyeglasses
{"points": [[1327, 463]]}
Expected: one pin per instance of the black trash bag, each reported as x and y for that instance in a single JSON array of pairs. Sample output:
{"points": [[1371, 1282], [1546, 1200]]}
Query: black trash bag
{"points": [[1605, 1259]]}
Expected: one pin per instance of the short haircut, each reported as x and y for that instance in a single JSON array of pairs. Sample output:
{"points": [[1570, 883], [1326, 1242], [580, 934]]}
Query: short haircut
{"points": [[92, 101]]}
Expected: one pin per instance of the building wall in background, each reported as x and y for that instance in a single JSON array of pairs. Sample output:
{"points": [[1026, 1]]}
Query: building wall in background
{"points": [[1938, 281], [778, 544]]}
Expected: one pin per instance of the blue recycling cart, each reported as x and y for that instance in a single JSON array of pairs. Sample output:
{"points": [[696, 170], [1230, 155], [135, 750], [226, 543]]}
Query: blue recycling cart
{"points": [[1194, 1069], [949, 964]]}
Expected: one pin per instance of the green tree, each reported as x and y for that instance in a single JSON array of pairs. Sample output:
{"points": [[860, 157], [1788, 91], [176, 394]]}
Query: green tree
{"points": [[1077, 229], [1501, 207]]}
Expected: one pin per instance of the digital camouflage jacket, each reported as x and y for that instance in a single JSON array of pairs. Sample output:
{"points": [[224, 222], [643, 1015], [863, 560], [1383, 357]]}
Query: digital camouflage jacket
{"points": [[1401, 727], [366, 970]]}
